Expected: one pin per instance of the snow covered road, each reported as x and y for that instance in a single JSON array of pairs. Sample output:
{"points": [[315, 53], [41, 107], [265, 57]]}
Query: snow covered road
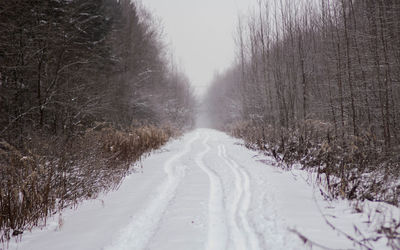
{"points": [[203, 191]]}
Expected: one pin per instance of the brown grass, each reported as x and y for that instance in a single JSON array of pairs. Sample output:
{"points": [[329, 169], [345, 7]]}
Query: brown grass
{"points": [[50, 174], [354, 167]]}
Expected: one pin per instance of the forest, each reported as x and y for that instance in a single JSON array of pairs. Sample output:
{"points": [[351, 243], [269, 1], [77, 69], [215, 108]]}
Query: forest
{"points": [[318, 83], [86, 88], [90, 88]]}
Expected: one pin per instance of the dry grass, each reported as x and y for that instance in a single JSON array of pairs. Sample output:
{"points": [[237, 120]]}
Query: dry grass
{"points": [[131, 145], [50, 174], [354, 167]]}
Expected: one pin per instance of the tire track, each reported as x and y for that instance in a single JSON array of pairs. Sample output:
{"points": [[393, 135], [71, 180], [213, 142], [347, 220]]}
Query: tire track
{"points": [[217, 237], [144, 224], [243, 194], [237, 236]]}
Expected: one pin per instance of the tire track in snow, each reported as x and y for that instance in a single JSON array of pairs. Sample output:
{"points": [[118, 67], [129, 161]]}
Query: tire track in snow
{"points": [[144, 224], [243, 191], [239, 241], [217, 237]]}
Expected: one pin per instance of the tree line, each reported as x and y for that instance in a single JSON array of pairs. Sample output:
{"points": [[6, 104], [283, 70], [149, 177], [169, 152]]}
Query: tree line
{"points": [[67, 64], [87, 88], [327, 69], [337, 61]]}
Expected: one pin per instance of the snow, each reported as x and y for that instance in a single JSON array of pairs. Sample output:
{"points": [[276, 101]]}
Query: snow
{"points": [[207, 191], [217, 235]]}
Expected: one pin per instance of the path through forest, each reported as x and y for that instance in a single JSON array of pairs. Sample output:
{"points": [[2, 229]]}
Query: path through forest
{"points": [[202, 191]]}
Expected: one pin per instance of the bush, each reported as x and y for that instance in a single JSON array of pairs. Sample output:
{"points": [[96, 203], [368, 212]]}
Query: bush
{"points": [[352, 167], [50, 174]]}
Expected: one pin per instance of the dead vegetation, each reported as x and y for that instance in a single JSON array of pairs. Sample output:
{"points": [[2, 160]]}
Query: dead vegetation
{"points": [[49, 175], [357, 167], [76, 68]]}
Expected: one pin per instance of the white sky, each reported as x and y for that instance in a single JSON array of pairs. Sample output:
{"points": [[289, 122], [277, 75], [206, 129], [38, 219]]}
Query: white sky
{"points": [[200, 33]]}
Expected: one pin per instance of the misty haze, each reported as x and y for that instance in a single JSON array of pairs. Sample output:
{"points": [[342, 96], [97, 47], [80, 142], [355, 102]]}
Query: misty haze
{"points": [[186, 124]]}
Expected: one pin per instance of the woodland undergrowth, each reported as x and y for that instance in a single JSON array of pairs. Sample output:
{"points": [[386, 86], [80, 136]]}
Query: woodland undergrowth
{"points": [[356, 168], [48, 175]]}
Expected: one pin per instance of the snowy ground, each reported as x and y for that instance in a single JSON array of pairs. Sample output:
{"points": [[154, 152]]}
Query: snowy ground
{"points": [[206, 191]]}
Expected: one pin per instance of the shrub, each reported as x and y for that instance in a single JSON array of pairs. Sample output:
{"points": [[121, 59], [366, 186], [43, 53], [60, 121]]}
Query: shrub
{"points": [[353, 167], [50, 174]]}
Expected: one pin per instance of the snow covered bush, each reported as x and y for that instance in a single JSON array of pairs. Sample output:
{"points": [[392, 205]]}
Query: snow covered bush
{"points": [[49, 175], [357, 167]]}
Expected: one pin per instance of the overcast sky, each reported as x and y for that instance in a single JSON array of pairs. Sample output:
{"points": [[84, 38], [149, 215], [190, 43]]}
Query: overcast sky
{"points": [[200, 33]]}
